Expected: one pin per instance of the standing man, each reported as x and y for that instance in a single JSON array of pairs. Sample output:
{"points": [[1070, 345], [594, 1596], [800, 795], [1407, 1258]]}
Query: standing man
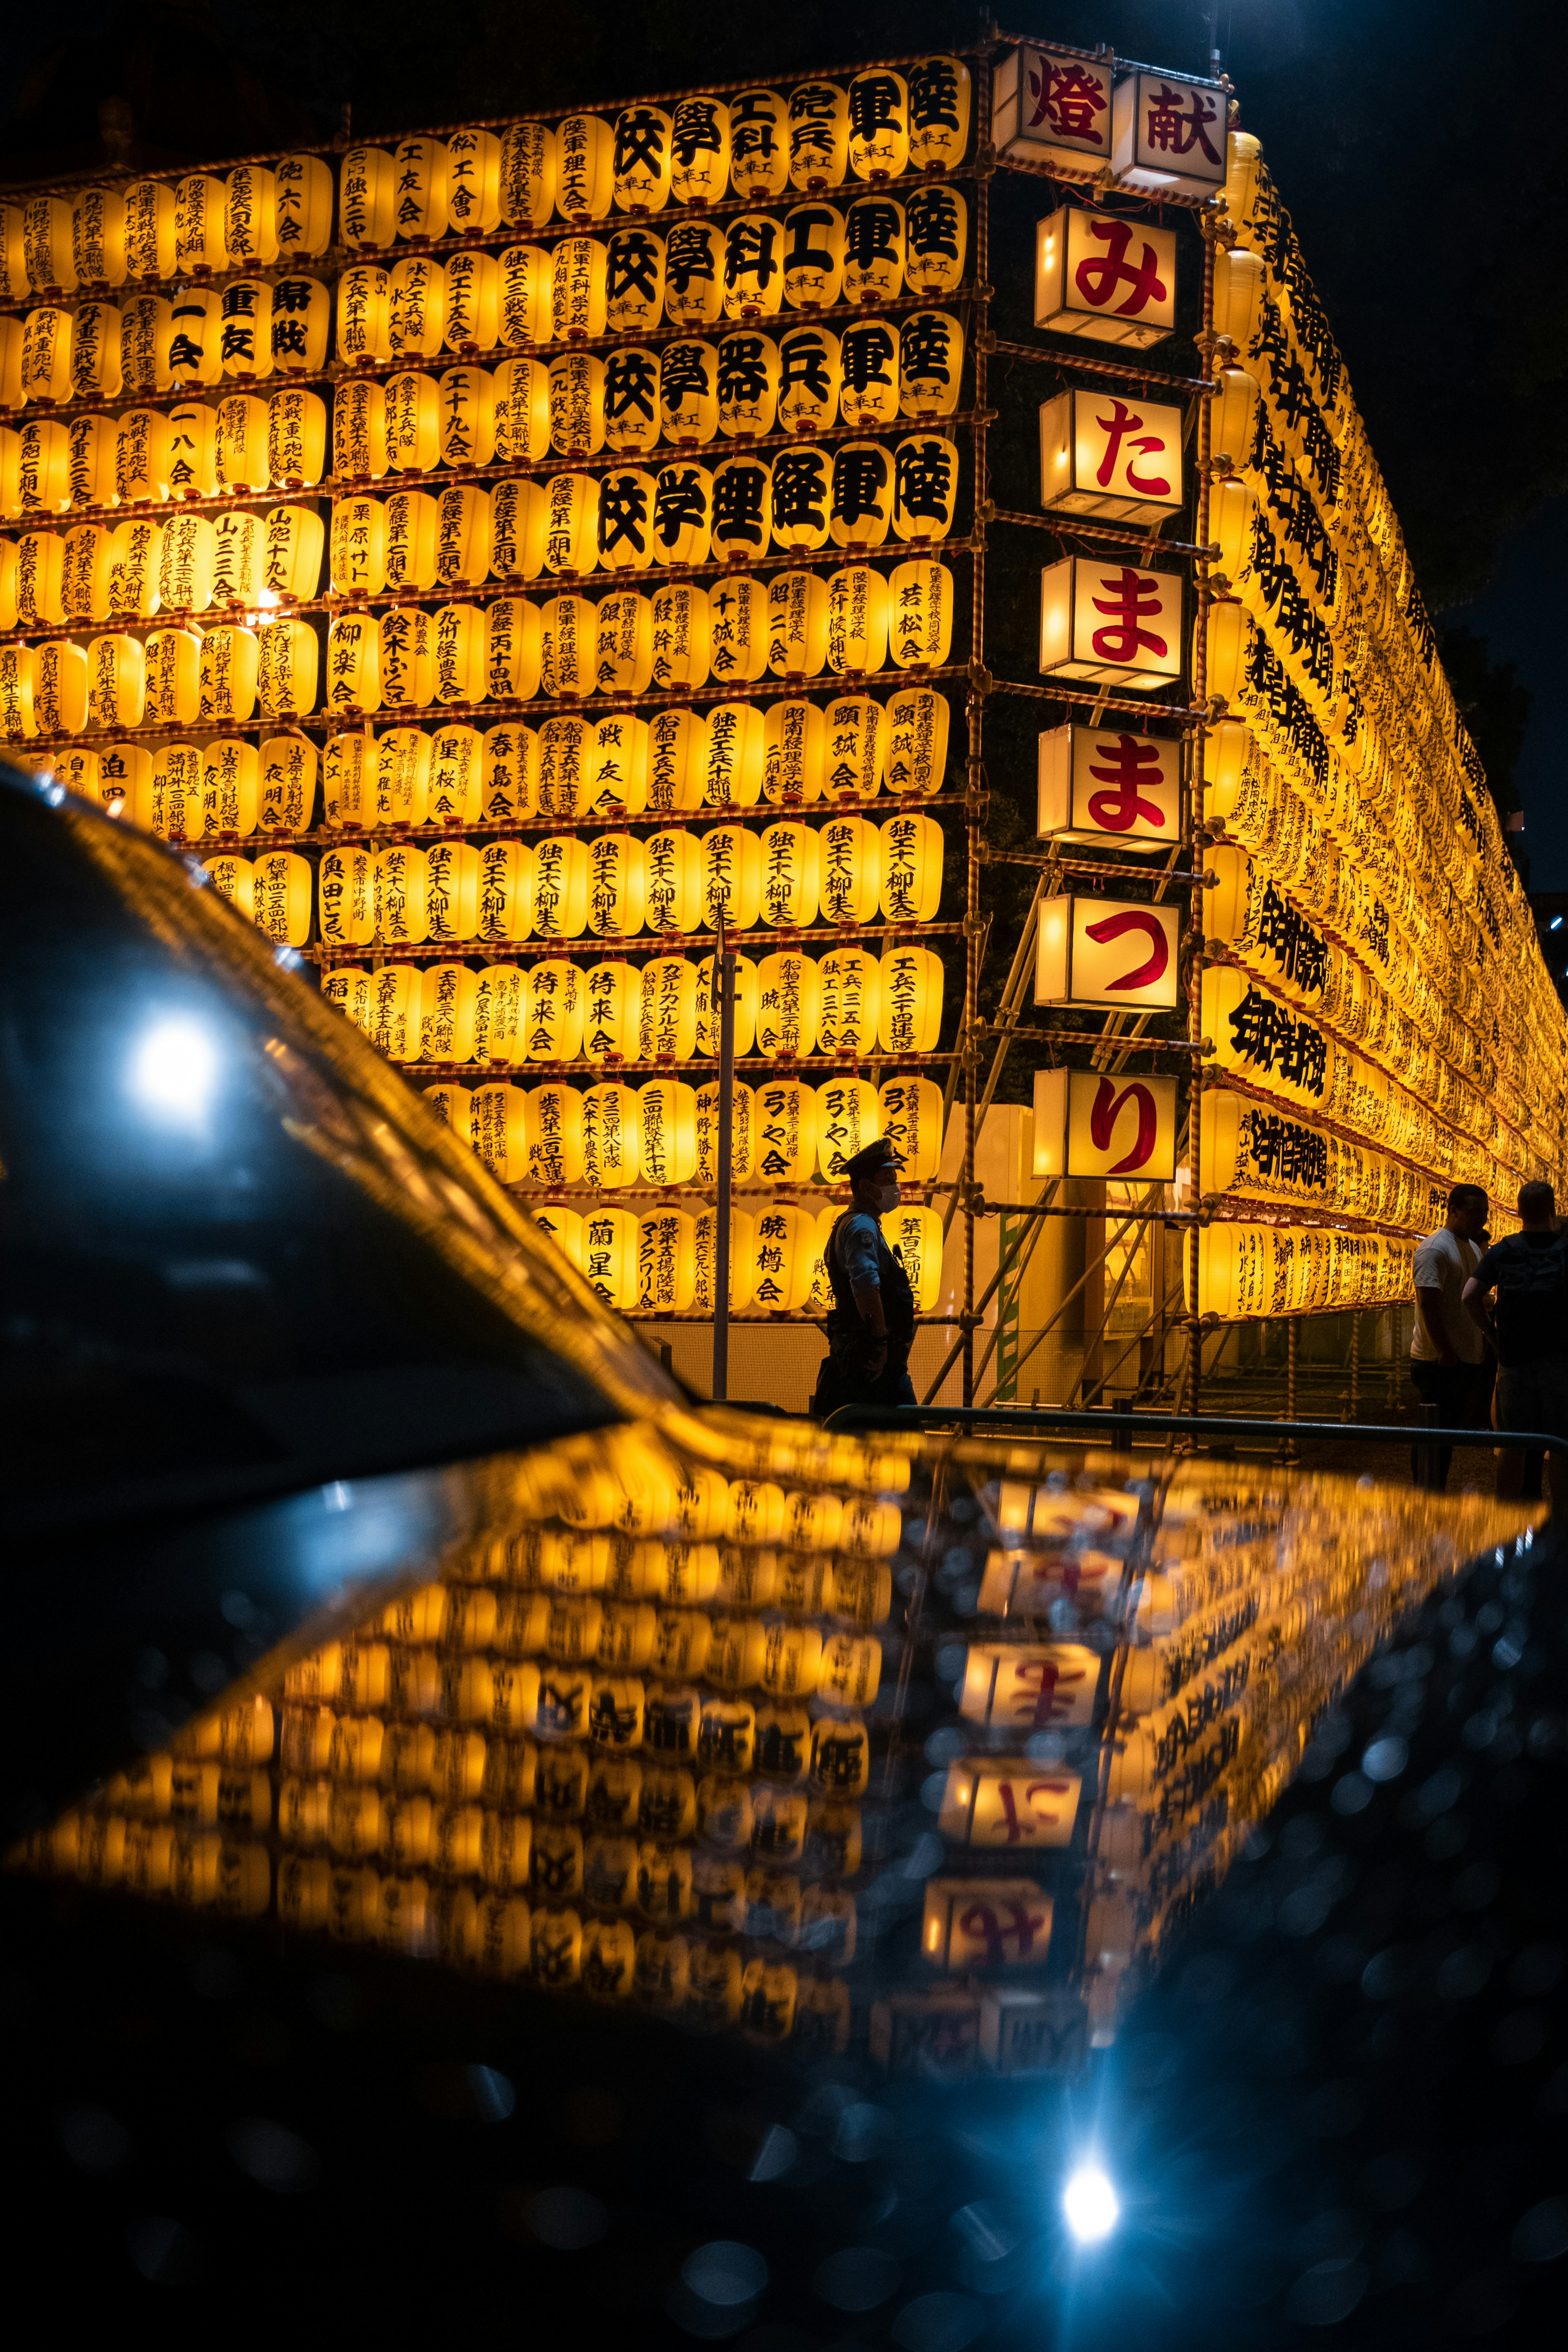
{"points": [[871, 1326], [1447, 1351], [1529, 1272]]}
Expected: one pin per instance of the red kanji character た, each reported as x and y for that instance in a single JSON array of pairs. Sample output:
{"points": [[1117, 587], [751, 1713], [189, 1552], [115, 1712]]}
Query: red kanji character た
{"points": [[1121, 425]]}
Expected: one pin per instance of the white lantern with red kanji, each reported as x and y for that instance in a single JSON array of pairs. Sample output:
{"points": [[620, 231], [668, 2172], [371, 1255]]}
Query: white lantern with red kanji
{"points": [[1086, 1124], [1107, 951], [1110, 278], [1102, 454], [1110, 624], [1109, 785]]}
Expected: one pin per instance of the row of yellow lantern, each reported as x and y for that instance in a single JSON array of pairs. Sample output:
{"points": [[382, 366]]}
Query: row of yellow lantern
{"points": [[1251, 1149], [850, 1002], [755, 144], [614, 886], [1268, 1270]]}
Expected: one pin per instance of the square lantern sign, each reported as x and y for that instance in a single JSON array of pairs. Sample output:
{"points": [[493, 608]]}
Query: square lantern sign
{"points": [[1101, 455], [1110, 623], [1113, 281], [1087, 1123], [1168, 134], [1049, 107], [1107, 951], [1109, 785]]}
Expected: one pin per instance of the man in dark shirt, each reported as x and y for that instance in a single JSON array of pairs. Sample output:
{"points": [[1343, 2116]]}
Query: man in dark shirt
{"points": [[1529, 1272], [871, 1326]]}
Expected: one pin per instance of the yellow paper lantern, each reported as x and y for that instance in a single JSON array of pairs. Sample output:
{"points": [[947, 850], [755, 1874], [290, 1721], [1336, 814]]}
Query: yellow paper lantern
{"points": [[847, 1120], [42, 469], [854, 737], [610, 1256], [742, 1243], [287, 782], [353, 664], [791, 874], [579, 285], [402, 881], [298, 320], [730, 766], [421, 166], [408, 542], [700, 151], [473, 299], [175, 811], [614, 885], [173, 662], [941, 99], [571, 523], [97, 238], [296, 441], [681, 519], [785, 1152], [523, 297], [759, 143], [914, 1235], [283, 892], [642, 159], [874, 248], [193, 452], [561, 887], [862, 497], [239, 445], [358, 546], [46, 370], [622, 652], [457, 654], [585, 167], [510, 782], [634, 282], [125, 781], [39, 580], [462, 538], [452, 889], [195, 339], [681, 636], [857, 620], [234, 881], [782, 1251], [731, 877], [915, 759], [666, 1261], [912, 868], [609, 992], [505, 902], [359, 432], [879, 125], [46, 253], [117, 682], [513, 650], [230, 661], [402, 776], [149, 229], [526, 191], [802, 494], [447, 1004], [142, 457], [59, 689], [349, 793], [146, 332], [412, 421], [870, 356], [468, 418], [454, 1107], [84, 575], [693, 274], [795, 756], [910, 1017], [818, 135], [16, 720], [555, 1137], [502, 1131], [302, 206], [500, 1012], [910, 1114], [457, 762], [675, 750], [708, 1009], [788, 1001], [810, 379], [345, 897], [612, 1137], [925, 487], [96, 373], [91, 444], [245, 329], [666, 1012], [631, 407], [407, 660], [199, 243], [851, 997]]}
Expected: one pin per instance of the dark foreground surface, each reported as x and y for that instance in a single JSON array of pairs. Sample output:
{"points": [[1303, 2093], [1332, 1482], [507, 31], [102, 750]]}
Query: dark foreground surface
{"points": [[1342, 2109]]}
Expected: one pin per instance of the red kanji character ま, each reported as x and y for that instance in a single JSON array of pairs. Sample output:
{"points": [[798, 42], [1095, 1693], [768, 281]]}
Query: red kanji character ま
{"points": [[1098, 278], [1134, 762], [1133, 596], [1120, 425]]}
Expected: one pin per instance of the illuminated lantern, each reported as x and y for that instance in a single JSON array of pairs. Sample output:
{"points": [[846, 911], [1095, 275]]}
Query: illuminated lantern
{"points": [[282, 897], [626, 505], [302, 206], [93, 442], [296, 439], [676, 740], [353, 664], [526, 189], [730, 767], [818, 135], [672, 879], [571, 523], [915, 759], [287, 767], [402, 773], [708, 1009], [125, 780], [742, 516], [358, 547], [1150, 132], [914, 1235], [634, 282], [853, 731], [555, 1136], [810, 379], [84, 575], [345, 890], [731, 877], [453, 1106], [196, 342], [759, 143], [862, 500], [451, 888], [689, 392], [229, 663], [631, 407], [135, 548], [42, 469], [348, 986], [748, 384], [847, 1120], [753, 267], [784, 1152], [616, 771], [642, 159], [610, 1252], [1110, 279], [473, 303], [359, 432], [925, 487], [177, 794], [615, 887], [579, 290], [1053, 108], [16, 720], [797, 623], [193, 452], [59, 689], [173, 658], [911, 1018], [1103, 455], [234, 879], [667, 1259], [790, 876], [149, 229], [560, 884], [47, 245], [401, 885], [77, 771], [681, 636], [415, 309], [742, 1228], [788, 998], [794, 738], [879, 108], [117, 682], [667, 1012], [567, 637], [500, 1009], [607, 992], [509, 784], [505, 901], [199, 242], [349, 793], [363, 316], [299, 322], [519, 411], [513, 650], [564, 748], [783, 1244], [501, 1131], [870, 391], [576, 396], [939, 102], [97, 238], [1109, 623], [522, 296], [407, 660], [412, 421], [457, 654], [1095, 784], [909, 1116], [1105, 951], [519, 514], [146, 331], [802, 488], [700, 151], [612, 1141], [1090, 1124], [585, 167], [693, 274], [244, 328], [912, 869], [874, 245], [849, 1001], [287, 671], [408, 540], [421, 167], [47, 355], [446, 999], [239, 445], [456, 762], [467, 420]]}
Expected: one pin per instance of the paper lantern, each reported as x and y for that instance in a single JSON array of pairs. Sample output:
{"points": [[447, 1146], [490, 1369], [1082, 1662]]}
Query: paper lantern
{"points": [[447, 1001], [353, 664], [43, 468], [910, 1114], [851, 985], [454, 1107], [412, 422], [731, 877], [229, 665], [513, 649], [302, 206], [456, 765], [244, 328], [59, 689], [1105, 455], [234, 881], [526, 179], [473, 301], [510, 778], [1150, 132], [802, 494], [610, 1255], [457, 654], [47, 254], [147, 331], [561, 886], [563, 748], [149, 229], [16, 720], [909, 1020], [612, 1137], [174, 811], [452, 888], [622, 653], [585, 167], [349, 795], [46, 370], [579, 283], [614, 885], [117, 682], [681, 636], [95, 371], [854, 739], [915, 758], [759, 143], [422, 168], [1095, 784], [818, 135], [195, 339], [283, 889], [97, 238], [567, 638], [505, 900], [1111, 279], [576, 404], [402, 772], [682, 512], [862, 494], [745, 1004], [296, 439], [847, 1120], [925, 487], [125, 781], [523, 296], [296, 321], [874, 241], [501, 1011], [914, 1235], [571, 523], [415, 309], [633, 284], [912, 869], [402, 883], [173, 659], [1110, 624], [83, 573], [667, 1260], [667, 1012], [642, 159], [134, 551], [940, 97], [788, 999], [555, 1135], [359, 432], [693, 280], [609, 992], [784, 1152], [632, 419], [358, 547], [794, 753], [753, 267], [407, 660], [91, 443], [501, 1131], [348, 987], [791, 869], [193, 452], [700, 151], [783, 1244], [878, 106], [240, 442], [467, 432], [730, 766], [1105, 951], [410, 524], [675, 750], [1089, 1125], [870, 390], [345, 895], [288, 784]]}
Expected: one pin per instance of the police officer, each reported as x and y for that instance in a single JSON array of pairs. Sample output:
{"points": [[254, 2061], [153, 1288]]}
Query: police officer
{"points": [[871, 1326]]}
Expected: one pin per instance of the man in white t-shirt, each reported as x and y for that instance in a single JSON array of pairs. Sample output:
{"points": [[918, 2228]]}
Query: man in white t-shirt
{"points": [[1448, 1362]]}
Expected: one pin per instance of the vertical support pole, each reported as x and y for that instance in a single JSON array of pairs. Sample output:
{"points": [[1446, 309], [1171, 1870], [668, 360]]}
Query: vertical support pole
{"points": [[1355, 1365], [1096, 1232], [1192, 808], [1292, 1340], [724, 980], [975, 810]]}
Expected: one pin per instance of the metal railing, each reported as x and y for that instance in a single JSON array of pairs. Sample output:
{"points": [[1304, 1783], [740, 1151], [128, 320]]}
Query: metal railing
{"points": [[1119, 1428]]}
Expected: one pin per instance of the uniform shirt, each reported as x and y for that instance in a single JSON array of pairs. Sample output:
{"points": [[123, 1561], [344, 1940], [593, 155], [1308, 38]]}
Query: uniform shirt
{"points": [[855, 1239], [1530, 1273], [1445, 1263]]}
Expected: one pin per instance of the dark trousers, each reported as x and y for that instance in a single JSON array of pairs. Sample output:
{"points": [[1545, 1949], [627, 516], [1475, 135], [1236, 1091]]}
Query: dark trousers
{"points": [[837, 1385], [1456, 1391]]}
